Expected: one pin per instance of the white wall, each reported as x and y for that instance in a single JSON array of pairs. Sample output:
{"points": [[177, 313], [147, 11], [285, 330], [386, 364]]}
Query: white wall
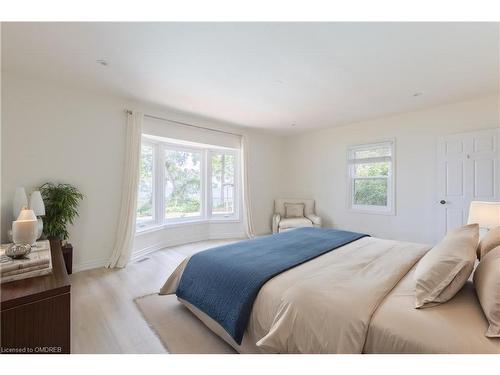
{"points": [[63, 134], [317, 166], [55, 133]]}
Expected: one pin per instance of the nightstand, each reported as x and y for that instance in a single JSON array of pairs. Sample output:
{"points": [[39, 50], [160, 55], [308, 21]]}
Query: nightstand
{"points": [[35, 312]]}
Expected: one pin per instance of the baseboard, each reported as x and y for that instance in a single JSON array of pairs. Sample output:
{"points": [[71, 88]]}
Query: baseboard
{"points": [[227, 236], [143, 252], [90, 264]]}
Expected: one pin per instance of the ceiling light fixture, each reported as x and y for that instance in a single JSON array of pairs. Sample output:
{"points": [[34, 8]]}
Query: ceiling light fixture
{"points": [[418, 94], [102, 62]]}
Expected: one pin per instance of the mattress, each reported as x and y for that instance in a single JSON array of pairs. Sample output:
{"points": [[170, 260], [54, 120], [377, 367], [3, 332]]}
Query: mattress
{"points": [[457, 326], [248, 344]]}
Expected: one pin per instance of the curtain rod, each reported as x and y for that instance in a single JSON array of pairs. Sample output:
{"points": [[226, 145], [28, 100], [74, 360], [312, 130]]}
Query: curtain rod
{"points": [[129, 112]]}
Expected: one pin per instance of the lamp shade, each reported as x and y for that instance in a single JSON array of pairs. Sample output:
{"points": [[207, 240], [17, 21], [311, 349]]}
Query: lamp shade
{"points": [[20, 201], [25, 228], [24, 232], [486, 214], [36, 203]]}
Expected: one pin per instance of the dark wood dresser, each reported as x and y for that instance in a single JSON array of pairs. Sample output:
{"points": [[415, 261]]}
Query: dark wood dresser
{"points": [[35, 312]]}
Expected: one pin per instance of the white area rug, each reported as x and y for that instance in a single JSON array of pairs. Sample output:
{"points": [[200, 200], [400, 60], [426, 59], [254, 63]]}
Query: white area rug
{"points": [[178, 329]]}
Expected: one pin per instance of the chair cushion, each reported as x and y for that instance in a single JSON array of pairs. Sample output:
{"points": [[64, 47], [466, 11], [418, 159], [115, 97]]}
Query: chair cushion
{"points": [[295, 222]]}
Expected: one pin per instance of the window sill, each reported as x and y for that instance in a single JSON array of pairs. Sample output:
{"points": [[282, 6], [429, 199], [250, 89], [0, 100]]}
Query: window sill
{"points": [[372, 212], [155, 228]]}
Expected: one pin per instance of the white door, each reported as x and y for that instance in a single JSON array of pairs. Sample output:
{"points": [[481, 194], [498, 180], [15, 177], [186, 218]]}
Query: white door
{"points": [[468, 169]]}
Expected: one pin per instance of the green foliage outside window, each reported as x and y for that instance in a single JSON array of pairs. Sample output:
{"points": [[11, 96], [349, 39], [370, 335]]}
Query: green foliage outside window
{"points": [[183, 183], [223, 183], [145, 194], [371, 191]]}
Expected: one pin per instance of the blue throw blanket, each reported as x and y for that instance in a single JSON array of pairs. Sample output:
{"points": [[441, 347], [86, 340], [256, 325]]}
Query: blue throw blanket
{"points": [[223, 282]]}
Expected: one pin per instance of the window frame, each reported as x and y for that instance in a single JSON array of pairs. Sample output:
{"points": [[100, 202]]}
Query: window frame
{"points": [[390, 208], [159, 202]]}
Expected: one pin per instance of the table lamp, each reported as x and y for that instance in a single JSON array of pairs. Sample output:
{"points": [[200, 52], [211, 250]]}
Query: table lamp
{"points": [[486, 214], [38, 207], [25, 228]]}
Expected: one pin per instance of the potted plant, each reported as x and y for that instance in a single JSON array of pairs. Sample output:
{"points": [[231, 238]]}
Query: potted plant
{"points": [[61, 208]]}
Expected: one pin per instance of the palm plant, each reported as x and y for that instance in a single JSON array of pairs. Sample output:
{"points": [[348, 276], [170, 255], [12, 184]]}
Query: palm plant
{"points": [[61, 208]]}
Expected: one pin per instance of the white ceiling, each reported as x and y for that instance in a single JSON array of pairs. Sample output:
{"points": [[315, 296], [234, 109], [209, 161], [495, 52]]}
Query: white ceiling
{"points": [[266, 75]]}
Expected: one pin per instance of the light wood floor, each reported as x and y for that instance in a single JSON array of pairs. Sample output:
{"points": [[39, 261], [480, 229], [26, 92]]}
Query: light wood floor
{"points": [[104, 317]]}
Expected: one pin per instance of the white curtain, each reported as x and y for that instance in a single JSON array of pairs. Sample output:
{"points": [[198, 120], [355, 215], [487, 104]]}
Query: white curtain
{"points": [[247, 207], [125, 233]]}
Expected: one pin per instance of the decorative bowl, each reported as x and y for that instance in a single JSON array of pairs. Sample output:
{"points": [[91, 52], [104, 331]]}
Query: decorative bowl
{"points": [[17, 251]]}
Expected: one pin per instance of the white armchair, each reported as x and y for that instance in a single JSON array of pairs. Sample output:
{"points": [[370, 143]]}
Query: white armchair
{"points": [[282, 223]]}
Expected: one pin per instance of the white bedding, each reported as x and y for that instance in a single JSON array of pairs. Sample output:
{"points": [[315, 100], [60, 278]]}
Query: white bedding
{"points": [[324, 305], [457, 326]]}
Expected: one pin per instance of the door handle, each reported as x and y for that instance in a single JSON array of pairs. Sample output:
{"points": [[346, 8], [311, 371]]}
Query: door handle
{"points": [[442, 201]]}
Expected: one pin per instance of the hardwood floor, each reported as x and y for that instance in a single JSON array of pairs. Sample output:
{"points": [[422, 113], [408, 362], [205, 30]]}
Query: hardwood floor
{"points": [[104, 317]]}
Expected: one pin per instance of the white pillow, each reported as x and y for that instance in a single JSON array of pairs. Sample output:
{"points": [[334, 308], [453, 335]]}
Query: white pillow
{"points": [[294, 210], [489, 242], [443, 271], [487, 284]]}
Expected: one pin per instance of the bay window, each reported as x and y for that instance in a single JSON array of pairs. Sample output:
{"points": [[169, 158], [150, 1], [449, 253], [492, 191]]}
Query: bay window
{"points": [[182, 182]]}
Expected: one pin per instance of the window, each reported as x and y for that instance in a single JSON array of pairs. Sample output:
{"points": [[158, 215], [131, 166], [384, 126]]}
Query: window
{"points": [[223, 183], [194, 182], [371, 177], [145, 209], [182, 183]]}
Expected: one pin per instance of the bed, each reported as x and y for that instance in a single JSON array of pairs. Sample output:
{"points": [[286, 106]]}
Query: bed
{"points": [[358, 298]]}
